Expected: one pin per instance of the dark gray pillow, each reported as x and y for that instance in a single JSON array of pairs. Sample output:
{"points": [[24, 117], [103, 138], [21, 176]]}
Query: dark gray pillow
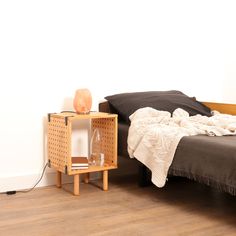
{"points": [[125, 104]]}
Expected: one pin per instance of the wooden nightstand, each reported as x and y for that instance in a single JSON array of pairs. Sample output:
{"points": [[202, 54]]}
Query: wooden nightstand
{"points": [[59, 144]]}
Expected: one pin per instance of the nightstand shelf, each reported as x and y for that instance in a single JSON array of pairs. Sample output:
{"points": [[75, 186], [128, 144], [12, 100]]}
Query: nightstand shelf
{"points": [[59, 144]]}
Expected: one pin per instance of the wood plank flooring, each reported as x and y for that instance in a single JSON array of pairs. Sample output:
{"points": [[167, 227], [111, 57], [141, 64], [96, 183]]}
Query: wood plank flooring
{"points": [[181, 208]]}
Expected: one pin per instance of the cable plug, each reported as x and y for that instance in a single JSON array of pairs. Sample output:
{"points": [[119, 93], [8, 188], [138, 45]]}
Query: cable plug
{"points": [[11, 192]]}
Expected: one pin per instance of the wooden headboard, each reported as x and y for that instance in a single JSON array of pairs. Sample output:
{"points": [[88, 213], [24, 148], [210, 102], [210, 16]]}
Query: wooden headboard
{"points": [[222, 107]]}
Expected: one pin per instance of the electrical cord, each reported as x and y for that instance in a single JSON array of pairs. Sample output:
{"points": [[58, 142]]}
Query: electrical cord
{"points": [[30, 189]]}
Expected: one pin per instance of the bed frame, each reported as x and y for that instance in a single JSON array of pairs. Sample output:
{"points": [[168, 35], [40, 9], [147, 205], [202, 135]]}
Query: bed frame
{"points": [[222, 107], [143, 173]]}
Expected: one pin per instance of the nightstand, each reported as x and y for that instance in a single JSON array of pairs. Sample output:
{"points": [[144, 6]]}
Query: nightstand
{"points": [[59, 144]]}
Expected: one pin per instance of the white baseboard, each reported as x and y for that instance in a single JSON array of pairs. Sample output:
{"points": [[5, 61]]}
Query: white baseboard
{"points": [[28, 181]]}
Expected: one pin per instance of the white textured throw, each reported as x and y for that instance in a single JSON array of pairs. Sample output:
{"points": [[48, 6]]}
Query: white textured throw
{"points": [[154, 135]]}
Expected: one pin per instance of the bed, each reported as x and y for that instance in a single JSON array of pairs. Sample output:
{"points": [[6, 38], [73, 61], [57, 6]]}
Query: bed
{"points": [[208, 160]]}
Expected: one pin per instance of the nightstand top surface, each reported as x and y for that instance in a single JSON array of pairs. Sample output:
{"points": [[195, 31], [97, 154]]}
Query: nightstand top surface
{"points": [[91, 115]]}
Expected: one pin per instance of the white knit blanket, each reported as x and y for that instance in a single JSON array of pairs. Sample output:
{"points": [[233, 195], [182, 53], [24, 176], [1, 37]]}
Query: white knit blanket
{"points": [[154, 135]]}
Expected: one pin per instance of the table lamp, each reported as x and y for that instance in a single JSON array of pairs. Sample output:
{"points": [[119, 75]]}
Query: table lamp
{"points": [[82, 101]]}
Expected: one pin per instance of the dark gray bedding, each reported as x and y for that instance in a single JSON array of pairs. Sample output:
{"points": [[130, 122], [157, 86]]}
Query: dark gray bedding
{"points": [[209, 160]]}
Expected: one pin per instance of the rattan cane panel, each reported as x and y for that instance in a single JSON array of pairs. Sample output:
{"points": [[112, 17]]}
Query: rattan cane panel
{"points": [[58, 143], [106, 127]]}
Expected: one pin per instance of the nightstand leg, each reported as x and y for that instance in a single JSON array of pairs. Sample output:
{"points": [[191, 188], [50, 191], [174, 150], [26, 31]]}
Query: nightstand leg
{"points": [[58, 179], [76, 185], [105, 180], [86, 178]]}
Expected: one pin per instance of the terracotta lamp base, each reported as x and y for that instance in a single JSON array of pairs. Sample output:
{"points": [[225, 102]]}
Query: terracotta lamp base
{"points": [[82, 101]]}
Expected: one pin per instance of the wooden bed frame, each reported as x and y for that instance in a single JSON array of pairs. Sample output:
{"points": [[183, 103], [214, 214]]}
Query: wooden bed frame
{"points": [[222, 107]]}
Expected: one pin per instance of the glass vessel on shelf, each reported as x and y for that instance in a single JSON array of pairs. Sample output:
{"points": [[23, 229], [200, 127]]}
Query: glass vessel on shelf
{"points": [[96, 157]]}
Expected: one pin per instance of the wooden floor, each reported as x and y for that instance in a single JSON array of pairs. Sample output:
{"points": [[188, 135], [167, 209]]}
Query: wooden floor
{"points": [[181, 208]]}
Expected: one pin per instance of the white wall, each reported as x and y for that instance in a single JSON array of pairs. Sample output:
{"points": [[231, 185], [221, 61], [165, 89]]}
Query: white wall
{"points": [[229, 82], [50, 48]]}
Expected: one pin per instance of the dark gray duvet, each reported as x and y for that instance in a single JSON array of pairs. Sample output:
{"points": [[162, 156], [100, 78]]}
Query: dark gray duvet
{"points": [[209, 160]]}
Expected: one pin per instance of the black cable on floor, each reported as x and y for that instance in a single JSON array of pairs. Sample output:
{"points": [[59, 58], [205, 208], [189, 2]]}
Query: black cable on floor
{"points": [[27, 190]]}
